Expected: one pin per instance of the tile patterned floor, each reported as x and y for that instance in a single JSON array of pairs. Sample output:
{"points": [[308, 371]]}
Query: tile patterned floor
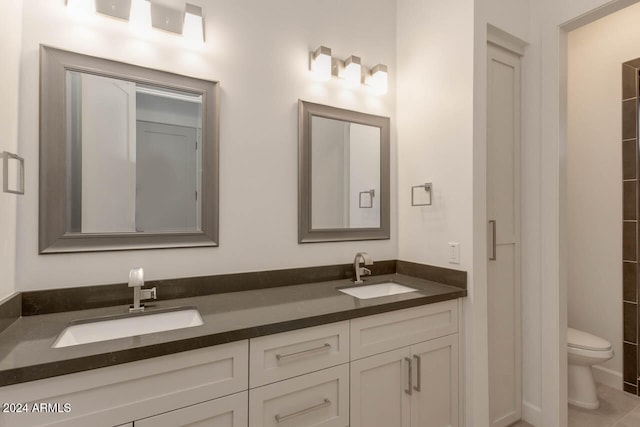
{"points": [[617, 409]]}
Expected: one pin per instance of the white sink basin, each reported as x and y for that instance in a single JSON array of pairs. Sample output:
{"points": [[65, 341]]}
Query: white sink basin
{"points": [[127, 325], [377, 290]]}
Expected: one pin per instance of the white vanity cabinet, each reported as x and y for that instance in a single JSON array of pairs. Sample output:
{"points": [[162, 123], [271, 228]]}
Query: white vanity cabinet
{"points": [[396, 369], [414, 385]]}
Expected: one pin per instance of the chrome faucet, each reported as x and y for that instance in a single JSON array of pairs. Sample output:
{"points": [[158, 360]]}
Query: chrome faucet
{"points": [[361, 271], [136, 281]]}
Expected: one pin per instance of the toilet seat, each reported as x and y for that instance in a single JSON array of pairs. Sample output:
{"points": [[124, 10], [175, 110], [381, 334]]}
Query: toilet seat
{"points": [[586, 341]]}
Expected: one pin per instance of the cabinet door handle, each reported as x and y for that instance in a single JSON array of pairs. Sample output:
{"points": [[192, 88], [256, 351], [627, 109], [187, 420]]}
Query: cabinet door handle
{"points": [[492, 223], [418, 386], [326, 402], [324, 347], [409, 390]]}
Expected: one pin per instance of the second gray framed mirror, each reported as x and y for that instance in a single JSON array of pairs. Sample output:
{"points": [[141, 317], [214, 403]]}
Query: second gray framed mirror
{"points": [[343, 175]]}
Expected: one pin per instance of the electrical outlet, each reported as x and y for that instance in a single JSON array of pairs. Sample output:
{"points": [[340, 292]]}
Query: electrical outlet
{"points": [[454, 253]]}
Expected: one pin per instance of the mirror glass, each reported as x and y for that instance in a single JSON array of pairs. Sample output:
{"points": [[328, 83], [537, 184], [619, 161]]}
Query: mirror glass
{"points": [[129, 156], [134, 156], [343, 175]]}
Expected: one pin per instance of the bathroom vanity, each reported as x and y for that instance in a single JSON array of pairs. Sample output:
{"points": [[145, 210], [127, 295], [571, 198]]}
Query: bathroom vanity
{"points": [[288, 356]]}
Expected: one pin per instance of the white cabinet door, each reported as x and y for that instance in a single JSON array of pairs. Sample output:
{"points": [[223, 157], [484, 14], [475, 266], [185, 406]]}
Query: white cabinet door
{"points": [[229, 411], [379, 385], [312, 400], [435, 386]]}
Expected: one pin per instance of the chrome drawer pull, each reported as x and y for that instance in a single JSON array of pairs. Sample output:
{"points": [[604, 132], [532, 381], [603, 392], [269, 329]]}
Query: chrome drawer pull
{"points": [[418, 386], [326, 346], [324, 404], [409, 390], [493, 256]]}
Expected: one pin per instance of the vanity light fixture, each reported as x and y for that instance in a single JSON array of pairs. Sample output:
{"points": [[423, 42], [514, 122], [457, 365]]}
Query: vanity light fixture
{"points": [[81, 6], [142, 15], [116, 8], [351, 70], [378, 78], [193, 23], [320, 63]]}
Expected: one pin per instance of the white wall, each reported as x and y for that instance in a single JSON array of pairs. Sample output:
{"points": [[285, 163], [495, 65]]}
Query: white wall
{"points": [[262, 67], [10, 45], [594, 171], [435, 144]]}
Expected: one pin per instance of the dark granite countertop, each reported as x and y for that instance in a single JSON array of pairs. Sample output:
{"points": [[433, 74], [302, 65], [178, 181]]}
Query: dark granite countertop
{"points": [[25, 346]]}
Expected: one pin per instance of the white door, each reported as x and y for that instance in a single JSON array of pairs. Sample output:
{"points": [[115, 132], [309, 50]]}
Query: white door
{"points": [[435, 387], [380, 390], [229, 411], [503, 214]]}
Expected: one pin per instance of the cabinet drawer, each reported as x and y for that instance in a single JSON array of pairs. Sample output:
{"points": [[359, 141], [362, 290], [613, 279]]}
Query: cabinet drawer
{"points": [[229, 411], [289, 354], [121, 393], [383, 332], [317, 399]]}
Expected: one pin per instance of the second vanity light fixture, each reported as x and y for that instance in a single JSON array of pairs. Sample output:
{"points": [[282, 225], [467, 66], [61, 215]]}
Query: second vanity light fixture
{"points": [[323, 65], [145, 14]]}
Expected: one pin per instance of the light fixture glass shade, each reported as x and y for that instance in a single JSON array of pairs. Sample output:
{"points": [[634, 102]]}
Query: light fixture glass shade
{"points": [[140, 17], [379, 79], [193, 29], [352, 72], [321, 63], [82, 6]]}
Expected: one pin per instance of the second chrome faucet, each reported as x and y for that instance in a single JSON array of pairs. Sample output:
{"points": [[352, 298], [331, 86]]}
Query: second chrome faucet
{"points": [[361, 271]]}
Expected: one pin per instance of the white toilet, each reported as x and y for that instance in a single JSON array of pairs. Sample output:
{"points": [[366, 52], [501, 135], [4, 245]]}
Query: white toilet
{"points": [[585, 350]]}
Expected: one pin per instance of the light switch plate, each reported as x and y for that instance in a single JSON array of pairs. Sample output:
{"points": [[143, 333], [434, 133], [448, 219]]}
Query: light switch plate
{"points": [[454, 252]]}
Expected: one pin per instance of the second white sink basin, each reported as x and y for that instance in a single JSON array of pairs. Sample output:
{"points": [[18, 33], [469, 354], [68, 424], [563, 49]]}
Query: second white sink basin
{"points": [[377, 290], [127, 325]]}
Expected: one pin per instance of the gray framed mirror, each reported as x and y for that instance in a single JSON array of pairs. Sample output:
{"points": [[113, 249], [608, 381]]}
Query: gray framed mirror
{"points": [[128, 156], [343, 175]]}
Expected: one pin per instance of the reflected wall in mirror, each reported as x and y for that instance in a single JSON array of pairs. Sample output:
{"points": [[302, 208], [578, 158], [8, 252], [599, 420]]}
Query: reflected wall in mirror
{"points": [[129, 156], [343, 175]]}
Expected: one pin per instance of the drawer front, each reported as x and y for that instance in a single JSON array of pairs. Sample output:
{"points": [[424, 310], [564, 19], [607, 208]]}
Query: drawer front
{"points": [[317, 399], [383, 332], [289, 354], [118, 394], [229, 411]]}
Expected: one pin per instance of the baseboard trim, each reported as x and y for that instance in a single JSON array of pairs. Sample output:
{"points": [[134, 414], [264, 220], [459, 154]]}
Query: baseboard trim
{"points": [[607, 377], [531, 414]]}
